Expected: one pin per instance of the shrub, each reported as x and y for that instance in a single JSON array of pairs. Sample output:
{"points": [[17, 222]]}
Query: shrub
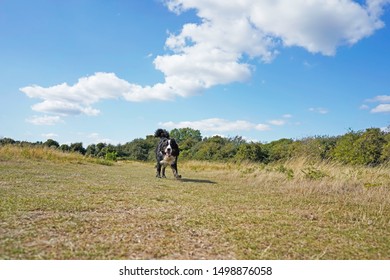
{"points": [[344, 150], [360, 147], [251, 152], [385, 154], [369, 147], [288, 171], [313, 173], [280, 149], [318, 147], [111, 156], [51, 143], [77, 147]]}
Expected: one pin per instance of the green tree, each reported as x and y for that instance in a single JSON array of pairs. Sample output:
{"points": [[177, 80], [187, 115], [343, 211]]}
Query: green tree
{"points": [[369, 147], [91, 150], [77, 147], [7, 141], [385, 154], [229, 150], [210, 149], [360, 147], [251, 152], [182, 134], [99, 150], [317, 147], [280, 149], [139, 149], [51, 143], [345, 150], [65, 148], [186, 138]]}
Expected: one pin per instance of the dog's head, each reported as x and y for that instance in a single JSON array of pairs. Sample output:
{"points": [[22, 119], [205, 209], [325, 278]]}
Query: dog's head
{"points": [[169, 147]]}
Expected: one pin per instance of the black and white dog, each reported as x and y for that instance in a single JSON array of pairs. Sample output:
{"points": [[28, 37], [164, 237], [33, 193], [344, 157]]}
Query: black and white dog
{"points": [[167, 152]]}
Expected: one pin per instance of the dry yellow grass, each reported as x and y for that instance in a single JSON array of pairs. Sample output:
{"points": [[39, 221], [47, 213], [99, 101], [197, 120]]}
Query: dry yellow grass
{"points": [[55, 207], [39, 153]]}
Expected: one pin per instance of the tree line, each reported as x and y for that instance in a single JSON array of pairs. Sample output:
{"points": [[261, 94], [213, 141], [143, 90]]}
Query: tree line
{"points": [[367, 147]]}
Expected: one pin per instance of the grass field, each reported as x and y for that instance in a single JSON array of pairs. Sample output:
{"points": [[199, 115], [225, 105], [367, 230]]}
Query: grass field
{"points": [[58, 206]]}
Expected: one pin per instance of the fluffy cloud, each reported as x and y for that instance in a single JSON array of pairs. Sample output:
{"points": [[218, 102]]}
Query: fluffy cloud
{"points": [[277, 122], [316, 25], [66, 100], [219, 48], [383, 107], [49, 135], [217, 125], [380, 98], [44, 120], [97, 138], [319, 110]]}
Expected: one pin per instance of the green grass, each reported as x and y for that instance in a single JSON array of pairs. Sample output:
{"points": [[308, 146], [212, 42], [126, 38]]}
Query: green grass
{"points": [[67, 207]]}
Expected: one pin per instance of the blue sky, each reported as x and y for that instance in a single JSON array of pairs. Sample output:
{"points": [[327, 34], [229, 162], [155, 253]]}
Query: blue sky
{"points": [[110, 71]]}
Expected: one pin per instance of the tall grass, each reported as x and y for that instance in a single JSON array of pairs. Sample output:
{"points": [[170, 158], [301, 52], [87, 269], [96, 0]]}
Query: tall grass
{"points": [[300, 170], [39, 153], [307, 176]]}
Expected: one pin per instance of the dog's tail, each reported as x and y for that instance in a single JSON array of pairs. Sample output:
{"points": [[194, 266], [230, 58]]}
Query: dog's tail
{"points": [[161, 133]]}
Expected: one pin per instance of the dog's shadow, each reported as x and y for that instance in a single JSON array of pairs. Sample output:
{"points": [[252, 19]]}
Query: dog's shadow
{"points": [[200, 181]]}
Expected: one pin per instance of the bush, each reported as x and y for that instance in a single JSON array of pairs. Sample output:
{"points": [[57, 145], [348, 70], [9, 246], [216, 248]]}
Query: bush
{"points": [[288, 171], [369, 147], [280, 149], [318, 147], [360, 147], [51, 143], [251, 152], [313, 173], [111, 156], [140, 149], [77, 147], [385, 154]]}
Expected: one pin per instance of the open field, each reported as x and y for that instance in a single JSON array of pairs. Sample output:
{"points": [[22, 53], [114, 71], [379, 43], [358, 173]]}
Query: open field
{"points": [[55, 206]]}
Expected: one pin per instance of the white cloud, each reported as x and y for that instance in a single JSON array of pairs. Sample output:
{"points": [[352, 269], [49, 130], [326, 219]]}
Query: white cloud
{"points": [[380, 98], [66, 100], [277, 122], [50, 135], [64, 108], [319, 110], [280, 122], [318, 26], [44, 120], [381, 108], [217, 125], [97, 138], [212, 51]]}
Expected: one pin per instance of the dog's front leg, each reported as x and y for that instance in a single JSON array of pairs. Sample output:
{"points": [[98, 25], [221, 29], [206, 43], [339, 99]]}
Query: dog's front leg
{"points": [[174, 170], [158, 167], [163, 171]]}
